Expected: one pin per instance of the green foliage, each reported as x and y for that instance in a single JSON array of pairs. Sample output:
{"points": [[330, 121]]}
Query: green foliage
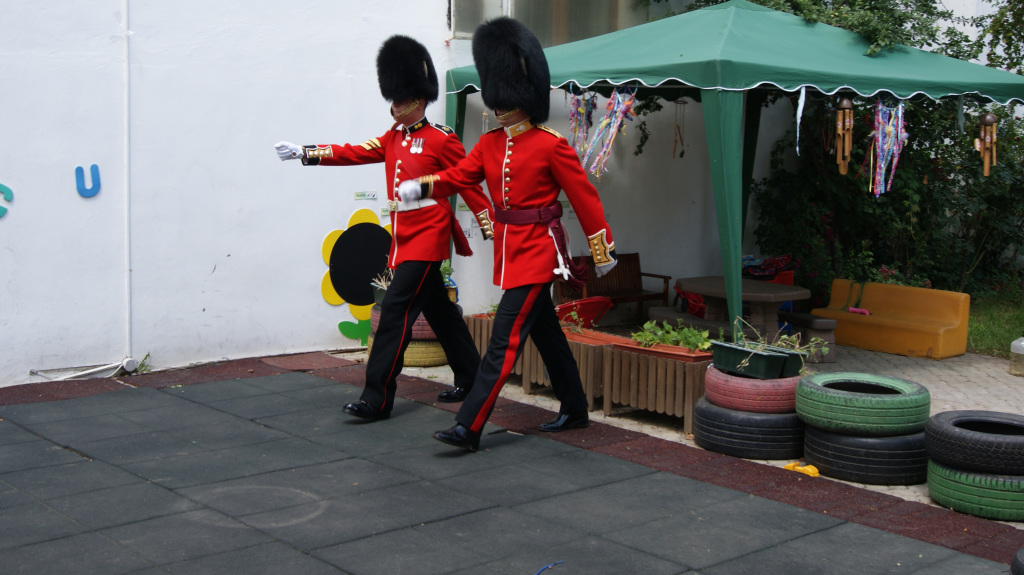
{"points": [[681, 336], [573, 322], [996, 320], [941, 223], [144, 366], [446, 272], [645, 105], [1003, 35]]}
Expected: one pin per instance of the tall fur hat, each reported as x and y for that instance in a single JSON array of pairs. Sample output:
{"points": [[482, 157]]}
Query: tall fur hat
{"points": [[405, 70], [512, 67]]}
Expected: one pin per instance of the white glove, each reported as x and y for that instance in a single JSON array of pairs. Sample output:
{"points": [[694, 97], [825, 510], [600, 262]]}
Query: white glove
{"points": [[288, 151], [605, 268], [409, 191]]}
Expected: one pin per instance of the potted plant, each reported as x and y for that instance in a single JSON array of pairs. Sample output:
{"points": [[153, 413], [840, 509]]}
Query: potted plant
{"points": [[681, 342], [763, 358], [380, 284], [449, 283]]}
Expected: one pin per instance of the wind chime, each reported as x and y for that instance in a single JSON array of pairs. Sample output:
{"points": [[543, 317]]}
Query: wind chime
{"points": [[844, 134], [986, 144], [619, 108]]}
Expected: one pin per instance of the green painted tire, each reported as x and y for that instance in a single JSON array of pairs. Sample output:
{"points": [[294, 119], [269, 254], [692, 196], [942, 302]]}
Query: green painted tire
{"points": [[999, 497], [420, 353], [862, 404]]}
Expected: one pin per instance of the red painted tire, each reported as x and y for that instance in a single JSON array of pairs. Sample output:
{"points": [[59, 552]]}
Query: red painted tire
{"points": [[750, 394], [420, 328]]}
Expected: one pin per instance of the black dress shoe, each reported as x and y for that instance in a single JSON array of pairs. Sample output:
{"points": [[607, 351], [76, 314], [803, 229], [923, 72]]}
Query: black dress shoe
{"points": [[453, 395], [364, 410], [567, 421], [459, 436]]}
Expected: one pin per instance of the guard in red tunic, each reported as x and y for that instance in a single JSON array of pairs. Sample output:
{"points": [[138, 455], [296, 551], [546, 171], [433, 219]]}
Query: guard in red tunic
{"points": [[421, 231], [526, 166]]}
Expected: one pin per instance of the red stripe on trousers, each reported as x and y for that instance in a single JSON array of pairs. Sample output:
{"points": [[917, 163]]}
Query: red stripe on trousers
{"points": [[401, 341], [510, 358]]}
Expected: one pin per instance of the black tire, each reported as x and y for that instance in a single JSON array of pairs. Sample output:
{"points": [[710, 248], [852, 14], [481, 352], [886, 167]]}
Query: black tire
{"points": [[985, 441], [750, 394], [999, 497], [896, 460], [862, 404], [1017, 567], [747, 435]]}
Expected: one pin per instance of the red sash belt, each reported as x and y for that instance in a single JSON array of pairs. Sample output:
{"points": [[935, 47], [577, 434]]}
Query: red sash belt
{"points": [[575, 274]]}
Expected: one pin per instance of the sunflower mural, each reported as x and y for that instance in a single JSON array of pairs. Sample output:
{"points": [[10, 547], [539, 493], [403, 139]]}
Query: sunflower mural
{"points": [[354, 257]]}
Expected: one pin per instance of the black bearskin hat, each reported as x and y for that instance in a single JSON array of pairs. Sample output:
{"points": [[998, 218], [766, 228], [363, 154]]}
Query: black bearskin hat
{"points": [[405, 71], [512, 67]]}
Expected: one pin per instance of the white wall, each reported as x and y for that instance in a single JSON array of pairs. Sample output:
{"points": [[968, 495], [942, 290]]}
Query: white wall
{"points": [[201, 244]]}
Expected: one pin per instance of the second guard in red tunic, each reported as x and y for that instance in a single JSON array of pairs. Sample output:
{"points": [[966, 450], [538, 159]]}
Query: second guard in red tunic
{"points": [[526, 167], [421, 231]]}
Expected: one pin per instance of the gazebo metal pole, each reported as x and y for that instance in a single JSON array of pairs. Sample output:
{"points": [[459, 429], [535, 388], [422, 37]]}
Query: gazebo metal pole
{"points": [[455, 118], [723, 121]]}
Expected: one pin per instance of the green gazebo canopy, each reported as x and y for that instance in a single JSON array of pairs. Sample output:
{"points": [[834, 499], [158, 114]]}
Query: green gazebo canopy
{"points": [[726, 50]]}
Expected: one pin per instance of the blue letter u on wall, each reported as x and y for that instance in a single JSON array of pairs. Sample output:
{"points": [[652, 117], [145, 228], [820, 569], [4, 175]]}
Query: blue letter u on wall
{"points": [[83, 191]]}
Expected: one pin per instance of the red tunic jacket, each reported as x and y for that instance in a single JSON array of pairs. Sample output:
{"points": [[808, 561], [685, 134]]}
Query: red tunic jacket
{"points": [[418, 150], [525, 170]]}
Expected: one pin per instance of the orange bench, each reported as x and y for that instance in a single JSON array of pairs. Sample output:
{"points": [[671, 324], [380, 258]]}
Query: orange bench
{"points": [[903, 320]]}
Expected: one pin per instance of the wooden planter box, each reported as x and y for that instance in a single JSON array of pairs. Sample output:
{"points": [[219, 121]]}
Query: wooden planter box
{"points": [[587, 348], [480, 327], [664, 350], [652, 383]]}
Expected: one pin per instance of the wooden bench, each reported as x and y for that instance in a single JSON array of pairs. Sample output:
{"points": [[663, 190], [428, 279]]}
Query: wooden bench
{"points": [[624, 284], [904, 320]]}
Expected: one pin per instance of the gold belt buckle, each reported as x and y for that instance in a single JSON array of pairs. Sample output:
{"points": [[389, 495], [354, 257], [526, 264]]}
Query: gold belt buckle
{"points": [[392, 205]]}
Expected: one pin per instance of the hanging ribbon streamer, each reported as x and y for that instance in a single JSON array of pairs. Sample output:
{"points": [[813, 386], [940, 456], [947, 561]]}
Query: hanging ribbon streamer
{"points": [[986, 144], [890, 135], [619, 108], [581, 119], [799, 114]]}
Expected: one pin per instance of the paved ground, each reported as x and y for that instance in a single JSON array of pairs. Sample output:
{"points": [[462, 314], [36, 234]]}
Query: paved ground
{"points": [[249, 467]]}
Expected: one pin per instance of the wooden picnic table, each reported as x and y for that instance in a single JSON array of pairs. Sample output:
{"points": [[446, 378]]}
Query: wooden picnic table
{"points": [[762, 297]]}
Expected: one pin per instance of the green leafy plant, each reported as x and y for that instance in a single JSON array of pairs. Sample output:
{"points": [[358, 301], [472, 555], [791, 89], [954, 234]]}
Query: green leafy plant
{"points": [[447, 271], [682, 336], [143, 366], [573, 322]]}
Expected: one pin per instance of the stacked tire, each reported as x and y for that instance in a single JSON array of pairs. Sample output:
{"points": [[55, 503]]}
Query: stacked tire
{"points": [[864, 428], [976, 463], [748, 417], [424, 350]]}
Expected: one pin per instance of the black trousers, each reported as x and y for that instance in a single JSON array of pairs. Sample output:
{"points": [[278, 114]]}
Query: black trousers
{"points": [[525, 311], [416, 287]]}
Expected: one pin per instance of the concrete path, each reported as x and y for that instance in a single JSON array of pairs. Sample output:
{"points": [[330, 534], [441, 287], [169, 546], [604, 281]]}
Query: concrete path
{"points": [[249, 467]]}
